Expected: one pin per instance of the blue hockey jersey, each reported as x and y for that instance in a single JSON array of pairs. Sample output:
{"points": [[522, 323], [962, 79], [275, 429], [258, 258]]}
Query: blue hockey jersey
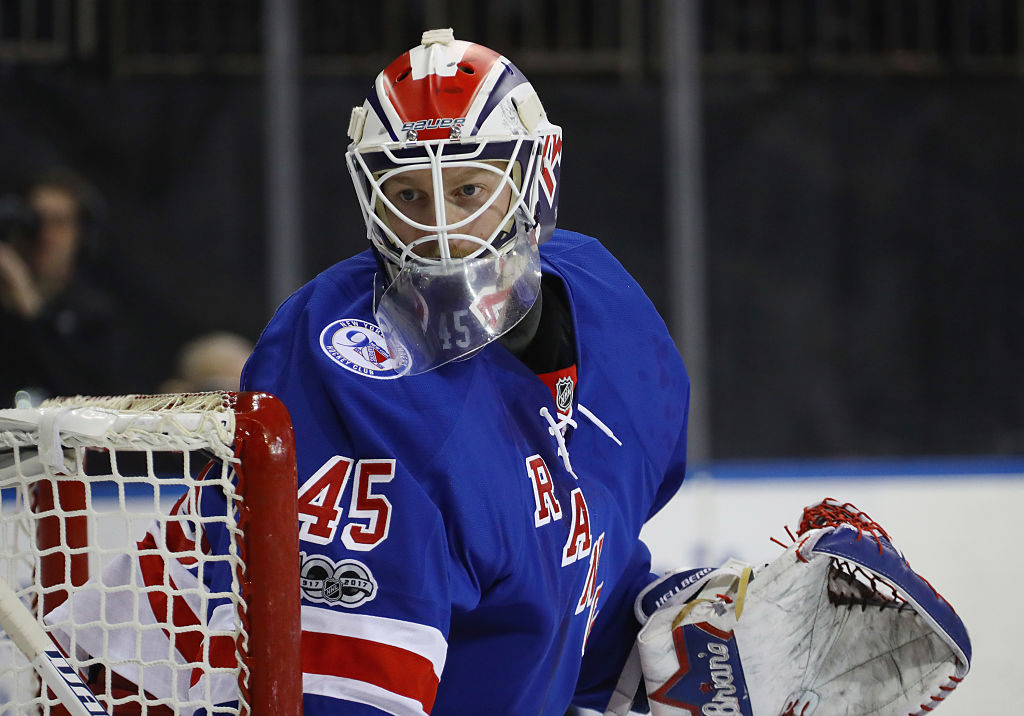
{"points": [[464, 548]]}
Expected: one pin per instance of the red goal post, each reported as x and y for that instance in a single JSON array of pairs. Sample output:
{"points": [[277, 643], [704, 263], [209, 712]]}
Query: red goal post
{"points": [[74, 468]]}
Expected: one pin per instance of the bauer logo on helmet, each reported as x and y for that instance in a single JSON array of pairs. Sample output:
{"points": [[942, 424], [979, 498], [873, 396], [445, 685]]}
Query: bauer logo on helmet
{"points": [[436, 123]]}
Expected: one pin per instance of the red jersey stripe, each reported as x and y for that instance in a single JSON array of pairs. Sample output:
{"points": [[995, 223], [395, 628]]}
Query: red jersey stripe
{"points": [[188, 635], [391, 668]]}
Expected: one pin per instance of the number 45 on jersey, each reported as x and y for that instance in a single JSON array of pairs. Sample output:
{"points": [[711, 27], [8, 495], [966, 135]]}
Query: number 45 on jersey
{"points": [[369, 511]]}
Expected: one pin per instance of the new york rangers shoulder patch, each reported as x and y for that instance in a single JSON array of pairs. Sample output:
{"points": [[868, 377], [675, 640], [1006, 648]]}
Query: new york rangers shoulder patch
{"points": [[359, 346]]}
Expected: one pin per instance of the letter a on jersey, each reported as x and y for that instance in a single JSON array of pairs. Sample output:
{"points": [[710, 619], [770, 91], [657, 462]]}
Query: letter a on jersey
{"points": [[578, 544]]}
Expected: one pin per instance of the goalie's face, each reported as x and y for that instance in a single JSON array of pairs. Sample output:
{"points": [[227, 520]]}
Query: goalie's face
{"points": [[452, 218]]}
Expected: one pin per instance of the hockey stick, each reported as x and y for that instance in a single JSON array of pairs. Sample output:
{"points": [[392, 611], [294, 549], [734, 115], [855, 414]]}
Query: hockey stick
{"points": [[44, 656]]}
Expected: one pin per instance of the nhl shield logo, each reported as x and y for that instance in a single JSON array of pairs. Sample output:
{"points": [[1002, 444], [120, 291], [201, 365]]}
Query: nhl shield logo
{"points": [[332, 590], [563, 394]]}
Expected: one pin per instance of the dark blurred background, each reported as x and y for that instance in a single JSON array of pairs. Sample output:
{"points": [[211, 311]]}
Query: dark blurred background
{"points": [[859, 172]]}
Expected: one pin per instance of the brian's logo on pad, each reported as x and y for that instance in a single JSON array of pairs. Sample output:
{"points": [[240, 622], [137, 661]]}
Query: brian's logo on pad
{"points": [[359, 346], [709, 680]]}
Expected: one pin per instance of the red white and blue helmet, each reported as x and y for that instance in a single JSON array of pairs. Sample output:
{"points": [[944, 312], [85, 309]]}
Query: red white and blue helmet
{"points": [[449, 103]]}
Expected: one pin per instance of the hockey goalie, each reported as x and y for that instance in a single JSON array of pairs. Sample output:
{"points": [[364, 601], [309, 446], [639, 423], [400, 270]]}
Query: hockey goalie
{"points": [[838, 625]]}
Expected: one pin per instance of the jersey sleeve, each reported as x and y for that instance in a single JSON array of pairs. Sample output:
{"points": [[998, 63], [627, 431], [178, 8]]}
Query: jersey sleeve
{"points": [[612, 634], [376, 568], [375, 620], [674, 470]]}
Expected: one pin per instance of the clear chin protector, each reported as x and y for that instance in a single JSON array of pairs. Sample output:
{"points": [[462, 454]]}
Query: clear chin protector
{"points": [[446, 291], [437, 312]]}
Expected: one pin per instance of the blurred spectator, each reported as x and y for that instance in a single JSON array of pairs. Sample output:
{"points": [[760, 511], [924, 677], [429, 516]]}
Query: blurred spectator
{"points": [[212, 361], [62, 333]]}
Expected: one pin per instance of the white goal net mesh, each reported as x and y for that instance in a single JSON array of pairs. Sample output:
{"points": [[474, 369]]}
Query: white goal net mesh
{"points": [[119, 531]]}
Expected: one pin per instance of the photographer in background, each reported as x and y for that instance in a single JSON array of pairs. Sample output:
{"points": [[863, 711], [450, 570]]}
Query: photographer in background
{"points": [[61, 332]]}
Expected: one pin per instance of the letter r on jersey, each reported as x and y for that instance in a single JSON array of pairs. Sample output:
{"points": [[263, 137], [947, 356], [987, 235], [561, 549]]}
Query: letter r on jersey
{"points": [[548, 508]]}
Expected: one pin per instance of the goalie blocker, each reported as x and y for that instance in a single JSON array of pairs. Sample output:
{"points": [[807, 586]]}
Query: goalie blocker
{"points": [[838, 625]]}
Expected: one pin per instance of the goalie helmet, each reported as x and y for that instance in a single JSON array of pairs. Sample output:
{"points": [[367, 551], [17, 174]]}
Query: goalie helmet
{"points": [[446, 288]]}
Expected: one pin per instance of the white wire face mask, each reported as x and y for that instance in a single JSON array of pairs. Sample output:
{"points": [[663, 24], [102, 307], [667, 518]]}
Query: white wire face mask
{"points": [[506, 166], [445, 291]]}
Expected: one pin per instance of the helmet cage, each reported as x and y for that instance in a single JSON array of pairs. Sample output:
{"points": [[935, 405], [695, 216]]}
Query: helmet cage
{"points": [[372, 167]]}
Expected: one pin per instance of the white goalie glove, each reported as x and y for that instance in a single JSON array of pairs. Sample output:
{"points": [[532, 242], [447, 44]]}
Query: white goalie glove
{"points": [[838, 625]]}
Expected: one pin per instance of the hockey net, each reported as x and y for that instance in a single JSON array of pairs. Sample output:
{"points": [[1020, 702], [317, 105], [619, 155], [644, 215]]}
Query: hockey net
{"points": [[156, 540]]}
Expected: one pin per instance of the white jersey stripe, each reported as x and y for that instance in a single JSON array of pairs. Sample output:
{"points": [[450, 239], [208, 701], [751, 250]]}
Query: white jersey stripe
{"points": [[426, 641], [337, 687]]}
